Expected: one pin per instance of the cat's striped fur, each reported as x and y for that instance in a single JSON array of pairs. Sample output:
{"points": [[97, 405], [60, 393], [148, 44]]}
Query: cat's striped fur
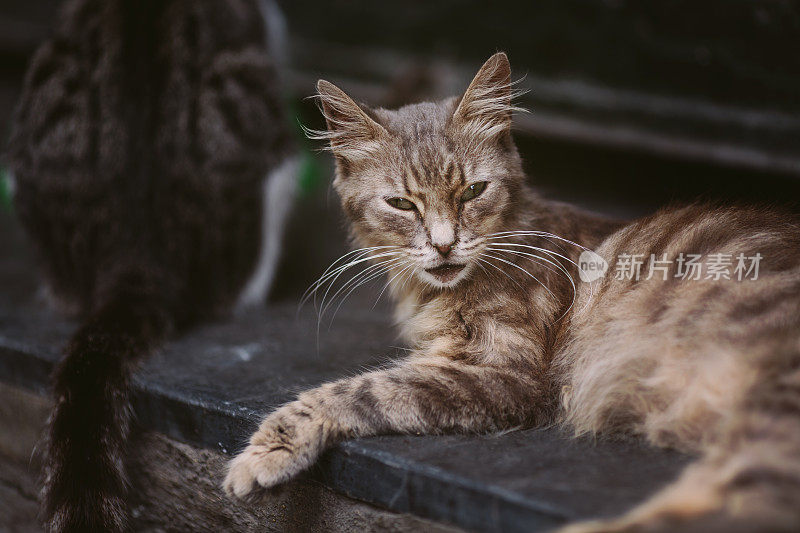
{"points": [[703, 365]]}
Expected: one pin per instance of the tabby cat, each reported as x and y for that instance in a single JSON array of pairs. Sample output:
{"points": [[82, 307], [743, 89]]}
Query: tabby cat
{"points": [[483, 272], [153, 168]]}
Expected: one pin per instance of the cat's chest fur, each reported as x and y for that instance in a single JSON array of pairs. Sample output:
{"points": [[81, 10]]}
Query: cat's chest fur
{"points": [[478, 323]]}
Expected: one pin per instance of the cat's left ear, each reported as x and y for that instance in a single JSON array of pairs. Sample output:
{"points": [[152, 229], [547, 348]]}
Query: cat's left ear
{"points": [[485, 109]]}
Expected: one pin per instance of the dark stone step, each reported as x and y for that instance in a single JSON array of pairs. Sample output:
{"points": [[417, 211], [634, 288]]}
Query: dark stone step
{"points": [[175, 488], [211, 387]]}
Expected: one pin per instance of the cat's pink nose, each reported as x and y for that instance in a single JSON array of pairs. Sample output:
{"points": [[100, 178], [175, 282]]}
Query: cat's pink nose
{"points": [[444, 249]]}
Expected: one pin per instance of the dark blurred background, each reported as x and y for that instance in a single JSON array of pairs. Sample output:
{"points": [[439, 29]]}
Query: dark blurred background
{"points": [[634, 103]]}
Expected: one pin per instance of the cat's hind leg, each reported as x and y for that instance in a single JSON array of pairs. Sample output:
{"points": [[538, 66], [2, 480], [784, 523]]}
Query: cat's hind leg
{"points": [[424, 394]]}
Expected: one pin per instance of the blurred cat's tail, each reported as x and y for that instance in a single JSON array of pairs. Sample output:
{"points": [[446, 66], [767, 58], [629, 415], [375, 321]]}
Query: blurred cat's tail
{"points": [[85, 482]]}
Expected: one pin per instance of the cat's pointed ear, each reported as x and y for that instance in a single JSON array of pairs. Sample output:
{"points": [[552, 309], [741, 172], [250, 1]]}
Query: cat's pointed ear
{"points": [[485, 109], [352, 133]]}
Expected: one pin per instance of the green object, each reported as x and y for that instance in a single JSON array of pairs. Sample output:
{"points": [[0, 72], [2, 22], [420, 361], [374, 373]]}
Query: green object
{"points": [[311, 175], [5, 190]]}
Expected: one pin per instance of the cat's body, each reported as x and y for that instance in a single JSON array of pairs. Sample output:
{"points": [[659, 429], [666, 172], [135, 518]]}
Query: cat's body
{"points": [[480, 268], [146, 144]]}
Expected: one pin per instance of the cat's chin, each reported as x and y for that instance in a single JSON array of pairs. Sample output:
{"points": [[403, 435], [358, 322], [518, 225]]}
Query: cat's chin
{"points": [[445, 276]]}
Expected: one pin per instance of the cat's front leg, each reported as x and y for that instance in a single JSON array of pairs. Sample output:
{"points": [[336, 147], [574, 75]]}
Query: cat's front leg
{"points": [[424, 394], [287, 442]]}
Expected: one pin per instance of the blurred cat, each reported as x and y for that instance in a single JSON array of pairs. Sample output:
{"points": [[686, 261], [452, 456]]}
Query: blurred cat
{"points": [[154, 169], [483, 272]]}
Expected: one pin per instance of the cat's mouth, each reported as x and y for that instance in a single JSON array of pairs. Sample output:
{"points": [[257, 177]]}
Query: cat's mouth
{"points": [[446, 272]]}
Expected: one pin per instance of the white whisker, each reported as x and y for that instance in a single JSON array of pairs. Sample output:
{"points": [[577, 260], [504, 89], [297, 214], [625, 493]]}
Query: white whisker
{"points": [[536, 248], [545, 262], [332, 276], [522, 269], [535, 233], [356, 280], [563, 272], [360, 252], [362, 282], [506, 274], [405, 279], [410, 265]]}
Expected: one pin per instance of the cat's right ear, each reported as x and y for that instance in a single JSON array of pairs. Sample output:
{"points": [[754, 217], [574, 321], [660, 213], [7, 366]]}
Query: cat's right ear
{"points": [[352, 133]]}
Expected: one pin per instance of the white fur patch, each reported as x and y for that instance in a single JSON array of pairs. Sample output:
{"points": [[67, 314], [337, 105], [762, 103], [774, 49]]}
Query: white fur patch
{"points": [[442, 233], [278, 195], [12, 183], [277, 34]]}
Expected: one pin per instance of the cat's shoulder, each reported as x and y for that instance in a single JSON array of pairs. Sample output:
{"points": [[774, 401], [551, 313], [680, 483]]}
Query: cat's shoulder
{"points": [[680, 215], [705, 224]]}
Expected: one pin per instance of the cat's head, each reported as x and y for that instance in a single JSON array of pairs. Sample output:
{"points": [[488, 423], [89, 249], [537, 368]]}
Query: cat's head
{"points": [[432, 180]]}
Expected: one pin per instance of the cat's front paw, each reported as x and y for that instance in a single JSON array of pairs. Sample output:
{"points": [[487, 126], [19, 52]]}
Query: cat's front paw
{"points": [[287, 443]]}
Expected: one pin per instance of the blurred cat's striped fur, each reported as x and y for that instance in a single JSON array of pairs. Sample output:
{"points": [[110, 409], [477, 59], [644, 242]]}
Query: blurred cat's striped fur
{"points": [[152, 161], [503, 335]]}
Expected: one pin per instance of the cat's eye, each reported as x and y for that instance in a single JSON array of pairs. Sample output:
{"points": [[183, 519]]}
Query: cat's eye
{"points": [[401, 203], [473, 191]]}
